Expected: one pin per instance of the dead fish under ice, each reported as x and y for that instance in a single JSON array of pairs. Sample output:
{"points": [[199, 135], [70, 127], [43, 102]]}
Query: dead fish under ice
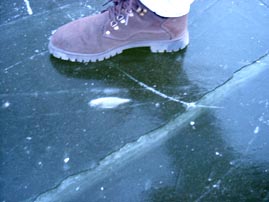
{"points": [[108, 102]]}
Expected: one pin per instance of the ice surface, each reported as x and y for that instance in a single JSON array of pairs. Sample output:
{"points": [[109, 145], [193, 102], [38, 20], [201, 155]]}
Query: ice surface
{"points": [[140, 126]]}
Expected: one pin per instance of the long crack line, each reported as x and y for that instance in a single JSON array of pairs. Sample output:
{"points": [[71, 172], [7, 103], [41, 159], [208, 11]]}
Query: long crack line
{"points": [[257, 61], [187, 105]]}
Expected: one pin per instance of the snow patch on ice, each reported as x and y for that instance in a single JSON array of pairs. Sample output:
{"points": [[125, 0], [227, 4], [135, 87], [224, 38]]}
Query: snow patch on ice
{"points": [[29, 9], [108, 102], [66, 160]]}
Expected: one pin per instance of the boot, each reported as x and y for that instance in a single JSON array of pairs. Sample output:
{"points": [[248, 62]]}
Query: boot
{"points": [[127, 24]]}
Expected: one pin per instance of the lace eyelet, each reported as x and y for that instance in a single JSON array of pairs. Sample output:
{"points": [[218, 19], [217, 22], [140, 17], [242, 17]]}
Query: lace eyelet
{"points": [[139, 9], [113, 24], [121, 19], [130, 13]]}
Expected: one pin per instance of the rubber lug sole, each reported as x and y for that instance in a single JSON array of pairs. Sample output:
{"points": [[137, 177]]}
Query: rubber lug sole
{"points": [[155, 47]]}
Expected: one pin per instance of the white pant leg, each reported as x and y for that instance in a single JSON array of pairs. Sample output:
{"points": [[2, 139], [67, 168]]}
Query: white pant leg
{"points": [[168, 8]]}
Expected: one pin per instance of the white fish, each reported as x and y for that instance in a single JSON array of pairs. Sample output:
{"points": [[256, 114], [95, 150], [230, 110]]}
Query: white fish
{"points": [[108, 102]]}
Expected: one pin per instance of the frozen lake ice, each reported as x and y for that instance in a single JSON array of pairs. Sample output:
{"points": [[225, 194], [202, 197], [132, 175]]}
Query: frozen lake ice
{"points": [[185, 126]]}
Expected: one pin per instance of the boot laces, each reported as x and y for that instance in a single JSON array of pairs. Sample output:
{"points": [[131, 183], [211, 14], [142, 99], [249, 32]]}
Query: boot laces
{"points": [[120, 11]]}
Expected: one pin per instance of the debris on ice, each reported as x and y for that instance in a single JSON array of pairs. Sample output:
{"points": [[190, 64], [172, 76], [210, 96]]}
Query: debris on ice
{"points": [[108, 102]]}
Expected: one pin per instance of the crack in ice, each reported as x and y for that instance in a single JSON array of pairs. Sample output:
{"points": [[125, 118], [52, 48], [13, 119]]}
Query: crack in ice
{"points": [[20, 62], [153, 90]]}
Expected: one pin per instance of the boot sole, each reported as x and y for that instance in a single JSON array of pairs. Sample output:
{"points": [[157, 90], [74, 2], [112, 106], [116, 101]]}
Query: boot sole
{"points": [[155, 47]]}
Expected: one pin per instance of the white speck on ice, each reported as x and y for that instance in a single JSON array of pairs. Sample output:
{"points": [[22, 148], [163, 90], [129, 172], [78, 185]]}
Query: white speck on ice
{"points": [[66, 160], [257, 129], [192, 123], [6, 105], [108, 102], [102, 188], [232, 163], [28, 138], [77, 188], [215, 186], [29, 9]]}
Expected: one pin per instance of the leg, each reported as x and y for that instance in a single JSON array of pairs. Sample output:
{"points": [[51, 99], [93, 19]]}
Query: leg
{"points": [[169, 8]]}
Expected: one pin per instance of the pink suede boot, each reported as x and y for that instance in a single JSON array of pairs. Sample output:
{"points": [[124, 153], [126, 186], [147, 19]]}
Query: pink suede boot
{"points": [[126, 24]]}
